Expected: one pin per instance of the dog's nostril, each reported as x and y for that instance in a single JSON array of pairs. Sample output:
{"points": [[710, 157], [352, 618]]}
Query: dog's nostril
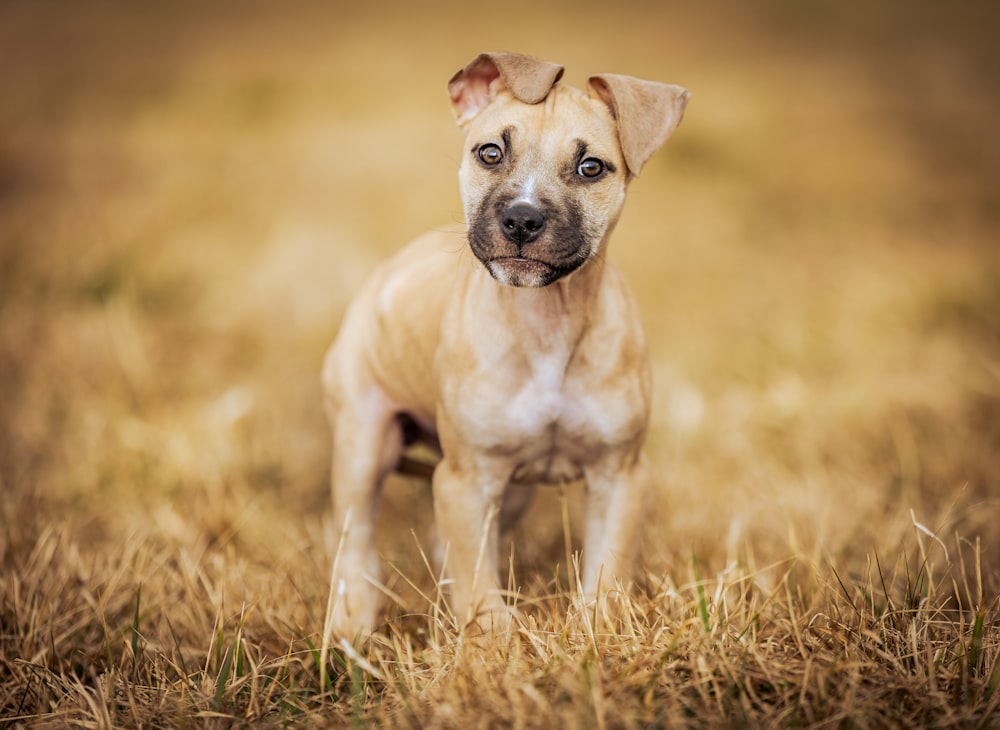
{"points": [[522, 223]]}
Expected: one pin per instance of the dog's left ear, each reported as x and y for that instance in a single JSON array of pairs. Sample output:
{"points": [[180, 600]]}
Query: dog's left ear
{"points": [[647, 113], [476, 85]]}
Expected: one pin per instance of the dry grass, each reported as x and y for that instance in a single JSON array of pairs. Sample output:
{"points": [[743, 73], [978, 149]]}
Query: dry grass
{"points": [[188, 196]]}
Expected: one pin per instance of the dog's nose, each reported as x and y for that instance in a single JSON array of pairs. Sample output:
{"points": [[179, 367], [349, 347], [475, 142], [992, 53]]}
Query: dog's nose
{"points": [[522, 223]]}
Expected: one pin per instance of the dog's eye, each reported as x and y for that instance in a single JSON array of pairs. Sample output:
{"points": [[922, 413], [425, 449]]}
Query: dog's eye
{"points": [[490, 154], [591, 167]]}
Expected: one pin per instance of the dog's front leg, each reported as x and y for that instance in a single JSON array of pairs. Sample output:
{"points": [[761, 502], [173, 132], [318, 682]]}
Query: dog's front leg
{"points": [[616, 491], [365, 448], [467, 513]]}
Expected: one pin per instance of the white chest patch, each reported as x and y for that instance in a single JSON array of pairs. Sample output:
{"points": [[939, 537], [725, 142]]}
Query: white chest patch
{"points": [[547, 430], [540, 401]]}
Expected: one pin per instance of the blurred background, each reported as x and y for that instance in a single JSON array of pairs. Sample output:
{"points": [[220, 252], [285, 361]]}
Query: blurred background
{"points": [[190, 193]]}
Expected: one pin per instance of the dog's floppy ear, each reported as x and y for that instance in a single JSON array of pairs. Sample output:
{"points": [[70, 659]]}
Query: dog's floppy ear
{"points": [[647, 113], [476, 85]]}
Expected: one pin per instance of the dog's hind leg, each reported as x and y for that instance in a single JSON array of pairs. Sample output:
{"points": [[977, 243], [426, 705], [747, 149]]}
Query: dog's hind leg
{"points": [[517, 499]]}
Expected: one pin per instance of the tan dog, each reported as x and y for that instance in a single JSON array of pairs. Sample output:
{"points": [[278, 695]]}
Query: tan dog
{"points": [[526, 361]]}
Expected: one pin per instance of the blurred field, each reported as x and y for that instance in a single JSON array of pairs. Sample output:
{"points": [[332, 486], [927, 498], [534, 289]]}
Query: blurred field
{"points": [[190, 193]]}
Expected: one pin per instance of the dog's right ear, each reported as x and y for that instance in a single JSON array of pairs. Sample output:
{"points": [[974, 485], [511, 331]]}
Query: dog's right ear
{"points": [[475, 86]]}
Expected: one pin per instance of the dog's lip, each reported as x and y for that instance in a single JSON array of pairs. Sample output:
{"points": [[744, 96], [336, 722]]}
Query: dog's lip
{"points": [[521, 262], [519, 259]]}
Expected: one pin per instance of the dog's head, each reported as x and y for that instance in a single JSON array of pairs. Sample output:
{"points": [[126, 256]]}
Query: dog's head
{"points": [[545, 168]]}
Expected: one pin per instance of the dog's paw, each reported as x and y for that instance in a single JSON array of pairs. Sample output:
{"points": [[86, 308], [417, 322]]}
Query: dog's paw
{"points": [[492, 616], [612, 608], [352, 610]]}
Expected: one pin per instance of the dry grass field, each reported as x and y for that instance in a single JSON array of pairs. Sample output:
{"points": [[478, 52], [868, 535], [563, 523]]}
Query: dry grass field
{"points": [[190, 193]]}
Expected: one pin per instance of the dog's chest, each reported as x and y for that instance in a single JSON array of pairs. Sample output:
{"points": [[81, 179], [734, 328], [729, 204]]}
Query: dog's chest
{"points": [[546, 425], [540, 401], [528, 389]]}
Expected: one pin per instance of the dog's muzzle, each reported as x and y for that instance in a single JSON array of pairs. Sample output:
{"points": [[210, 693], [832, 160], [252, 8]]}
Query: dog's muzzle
{"points": [[525, 245]]}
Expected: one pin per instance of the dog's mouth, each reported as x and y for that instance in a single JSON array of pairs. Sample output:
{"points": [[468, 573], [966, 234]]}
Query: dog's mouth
{"points": [[522, 271]]}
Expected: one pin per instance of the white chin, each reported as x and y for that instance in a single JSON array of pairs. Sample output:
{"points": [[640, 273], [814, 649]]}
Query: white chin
{"points": [[521, 272]]}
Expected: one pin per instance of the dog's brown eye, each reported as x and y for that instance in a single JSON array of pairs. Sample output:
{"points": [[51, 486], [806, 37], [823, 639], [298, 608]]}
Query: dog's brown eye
{"points": [[490, 154], [591, 167]]}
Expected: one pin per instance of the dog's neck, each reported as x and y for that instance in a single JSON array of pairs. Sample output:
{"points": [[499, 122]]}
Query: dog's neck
{"points": [[552, 318]]}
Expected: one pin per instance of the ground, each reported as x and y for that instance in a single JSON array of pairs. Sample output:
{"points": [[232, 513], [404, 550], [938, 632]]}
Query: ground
{"points": [[189, 195]]}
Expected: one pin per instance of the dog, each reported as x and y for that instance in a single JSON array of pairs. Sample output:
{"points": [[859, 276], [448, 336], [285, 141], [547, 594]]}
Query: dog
{"points": [[525, 363]]}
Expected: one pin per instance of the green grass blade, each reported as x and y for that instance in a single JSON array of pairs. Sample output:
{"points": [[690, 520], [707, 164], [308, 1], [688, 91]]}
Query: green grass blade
{"points": [[223, 678]]}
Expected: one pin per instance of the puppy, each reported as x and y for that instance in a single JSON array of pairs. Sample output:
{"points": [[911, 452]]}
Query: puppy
{"points": [[525, 362]]}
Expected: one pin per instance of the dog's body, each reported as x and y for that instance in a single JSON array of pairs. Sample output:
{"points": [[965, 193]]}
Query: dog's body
{"points": [[525, 362]]}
